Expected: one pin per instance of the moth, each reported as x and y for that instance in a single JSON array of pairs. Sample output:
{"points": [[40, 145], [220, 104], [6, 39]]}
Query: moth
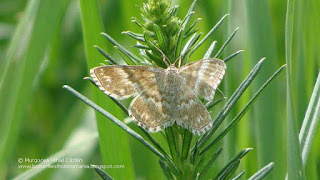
{"points": [[164, 96]]}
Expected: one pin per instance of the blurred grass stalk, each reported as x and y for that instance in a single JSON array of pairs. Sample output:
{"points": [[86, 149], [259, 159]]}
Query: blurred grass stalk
{"points": [[269, 138], [306, 62], [21, 67], [114, 144], [294, 160]]}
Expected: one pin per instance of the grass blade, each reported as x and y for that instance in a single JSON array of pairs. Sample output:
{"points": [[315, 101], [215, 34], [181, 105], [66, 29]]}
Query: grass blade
{"points": [[233, 164], [103, 174], [87, 141], [138, 37], [233, 99], [294, 160], [263, 43], [191, 9], [226, 43], [211, 104], [310, 122], [210, 162], [242, 112], [105, 54], [165, 169], [239, 175], [22, 66], [187, 138], [215, 27], [114, 120], [120, 153], [133, 57], [210, 50], [262, 172], [232, 55]]}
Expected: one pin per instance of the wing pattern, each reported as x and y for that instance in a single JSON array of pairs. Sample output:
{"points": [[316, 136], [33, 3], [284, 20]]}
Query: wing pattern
{"points": [[204, 76], [164, 96]]}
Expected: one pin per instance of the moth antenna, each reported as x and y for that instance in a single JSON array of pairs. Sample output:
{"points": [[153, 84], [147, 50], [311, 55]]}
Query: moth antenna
{"points": [[179, 59], [164, 60], [164, 57]]}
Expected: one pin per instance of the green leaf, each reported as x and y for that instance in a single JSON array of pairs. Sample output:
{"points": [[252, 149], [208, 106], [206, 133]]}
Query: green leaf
{"points": [[103, 174], [226, 43], [215, 27], [74, 146], [105, 54], [138, 37], [120, 153], [165, 168], [229, 169], [242, 112], [188, 31], [239, 175], [130, 55], [172, 143], [207, 166], [294, 160], [187, 138], [161, 39], [210, 50], [232, 55], [185, 53], [156, 55], [233, 99], [21, 68], [310, 122], [262, 172], [191, 9], [115, 120]]}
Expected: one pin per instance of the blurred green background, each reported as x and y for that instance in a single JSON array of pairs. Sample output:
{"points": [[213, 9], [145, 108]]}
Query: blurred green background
{"points": [[42, 48]]}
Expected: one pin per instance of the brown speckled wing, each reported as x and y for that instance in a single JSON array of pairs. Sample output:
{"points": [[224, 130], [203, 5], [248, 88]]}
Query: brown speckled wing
{"points": [[191, 114], [204, 76], [121, 81], [151, 108], [151, 112]]}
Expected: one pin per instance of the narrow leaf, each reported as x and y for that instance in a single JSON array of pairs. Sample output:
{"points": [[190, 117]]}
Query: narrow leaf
{"points": [[239, 175], [133, 57], [210, 162], [210, 50], [232, 55], [105, 54], [209, 33], [294, 160], [262, 172], [310, 122], [114, 120], [188, 31], [161, 39], [187, 138], [233, 99], [138, 37], [165, 168], [232, 164], [243, 111], [227, 42], [211, 104], [103, 174]]}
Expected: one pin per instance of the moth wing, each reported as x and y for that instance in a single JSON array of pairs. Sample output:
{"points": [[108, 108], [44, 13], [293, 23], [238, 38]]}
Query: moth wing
{"points": [[203, 76], [191, 113], [151, 111], [122, 81]]}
